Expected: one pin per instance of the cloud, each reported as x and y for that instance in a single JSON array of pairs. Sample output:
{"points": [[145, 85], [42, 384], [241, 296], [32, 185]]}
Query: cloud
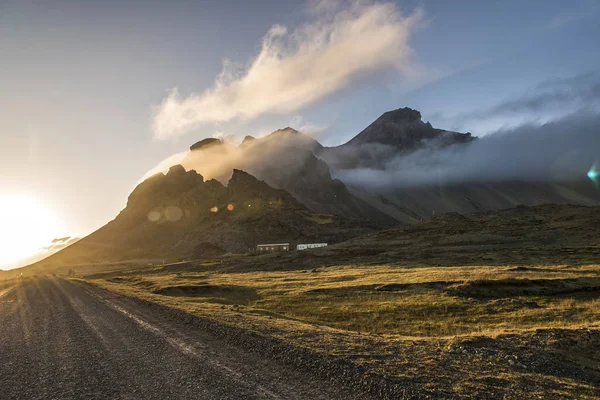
{"points": [[550, 100], [295, 68], [563, 150], [164, 165], [576, 91], [57, 244]]}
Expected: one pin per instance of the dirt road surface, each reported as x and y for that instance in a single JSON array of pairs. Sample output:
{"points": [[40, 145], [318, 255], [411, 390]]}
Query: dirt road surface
{"points": [[67, 340]]}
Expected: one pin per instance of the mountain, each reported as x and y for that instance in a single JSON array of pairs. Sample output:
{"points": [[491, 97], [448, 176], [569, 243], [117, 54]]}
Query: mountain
{"points": [[400, 134], [393, 134], [285, 159], [179, 215], [290, 160], [409, 205], [404, 130], [290, 192]]}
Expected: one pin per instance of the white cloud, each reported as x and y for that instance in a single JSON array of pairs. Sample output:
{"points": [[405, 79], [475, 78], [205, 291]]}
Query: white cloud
{"points": [[294, 69]]}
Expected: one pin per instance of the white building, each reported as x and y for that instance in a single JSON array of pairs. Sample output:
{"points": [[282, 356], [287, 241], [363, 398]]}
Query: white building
{"points": [[273, 247], [310, 246]]}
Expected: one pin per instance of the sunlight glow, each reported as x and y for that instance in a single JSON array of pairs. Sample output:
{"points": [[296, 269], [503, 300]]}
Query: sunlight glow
{"points": [[25, 227]]}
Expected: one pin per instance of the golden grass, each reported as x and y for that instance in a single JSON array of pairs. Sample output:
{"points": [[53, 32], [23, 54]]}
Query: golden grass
{"points": [[408, 301], [400, 321]]}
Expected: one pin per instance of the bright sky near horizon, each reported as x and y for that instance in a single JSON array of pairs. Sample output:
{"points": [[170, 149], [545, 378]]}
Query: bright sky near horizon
{"points": [[94, 94]]}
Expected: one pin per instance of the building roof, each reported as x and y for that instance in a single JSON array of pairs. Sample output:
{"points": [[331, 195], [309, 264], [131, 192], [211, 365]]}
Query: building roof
{"points": [[273, 244]]}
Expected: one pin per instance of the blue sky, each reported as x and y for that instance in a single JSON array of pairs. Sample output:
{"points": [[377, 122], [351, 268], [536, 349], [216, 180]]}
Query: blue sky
{"points": [[81, 82]]}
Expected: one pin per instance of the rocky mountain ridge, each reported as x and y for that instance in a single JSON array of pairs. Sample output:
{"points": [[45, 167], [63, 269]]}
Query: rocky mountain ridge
{"points": [[179, 215]]}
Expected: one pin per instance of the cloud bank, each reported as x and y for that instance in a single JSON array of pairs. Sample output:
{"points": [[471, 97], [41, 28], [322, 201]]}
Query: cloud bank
{"points": [[296, 68], [559, 151]]}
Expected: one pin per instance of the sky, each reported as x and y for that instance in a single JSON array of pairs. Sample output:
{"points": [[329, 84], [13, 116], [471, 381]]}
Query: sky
{"points": [[95, 94]]}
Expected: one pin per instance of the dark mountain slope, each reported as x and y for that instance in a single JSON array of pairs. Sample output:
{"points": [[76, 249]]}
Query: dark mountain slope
{"points": [[417, 203], [181, 216]]}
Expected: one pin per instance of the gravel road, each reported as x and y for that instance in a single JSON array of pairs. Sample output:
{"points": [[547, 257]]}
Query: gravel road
{"points": [[67, 340]]}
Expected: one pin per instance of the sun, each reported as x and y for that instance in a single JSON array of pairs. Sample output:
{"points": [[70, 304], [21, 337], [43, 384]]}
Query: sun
{"points": [[25, 226]]}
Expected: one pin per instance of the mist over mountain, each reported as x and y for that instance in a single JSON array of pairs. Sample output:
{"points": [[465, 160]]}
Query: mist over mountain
{"points": [[394, 134], [559, 151], [399, 169], [452, 172], [288, 160]]}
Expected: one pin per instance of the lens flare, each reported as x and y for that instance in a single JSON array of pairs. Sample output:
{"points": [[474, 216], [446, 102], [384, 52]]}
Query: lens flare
{"points": [[214, 209], [153, 216], [174, 213], [230, 207], [593, 173]]}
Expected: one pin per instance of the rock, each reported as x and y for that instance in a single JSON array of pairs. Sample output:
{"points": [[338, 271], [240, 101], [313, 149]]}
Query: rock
{"points": [[511, 362], [248, 139], [208, 142], [176, 170]]}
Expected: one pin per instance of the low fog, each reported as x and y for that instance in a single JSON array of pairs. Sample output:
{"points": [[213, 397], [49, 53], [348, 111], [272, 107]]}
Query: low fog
{"points": [[559, 151], [282, 153]]}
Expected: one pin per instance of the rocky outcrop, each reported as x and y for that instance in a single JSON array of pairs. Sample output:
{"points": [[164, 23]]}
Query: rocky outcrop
{"points": [[244, 185], [204, 143]]}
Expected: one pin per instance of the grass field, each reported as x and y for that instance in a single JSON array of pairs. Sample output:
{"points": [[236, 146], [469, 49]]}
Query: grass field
{"points": [[482, 331], [425, 301]]}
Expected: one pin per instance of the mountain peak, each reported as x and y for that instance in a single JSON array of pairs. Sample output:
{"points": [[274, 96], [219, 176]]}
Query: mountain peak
{"points": [[287, 129], [248, 139], [176, 170], [290, 137], [404, 130], [405, 114], [208, 142]]}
